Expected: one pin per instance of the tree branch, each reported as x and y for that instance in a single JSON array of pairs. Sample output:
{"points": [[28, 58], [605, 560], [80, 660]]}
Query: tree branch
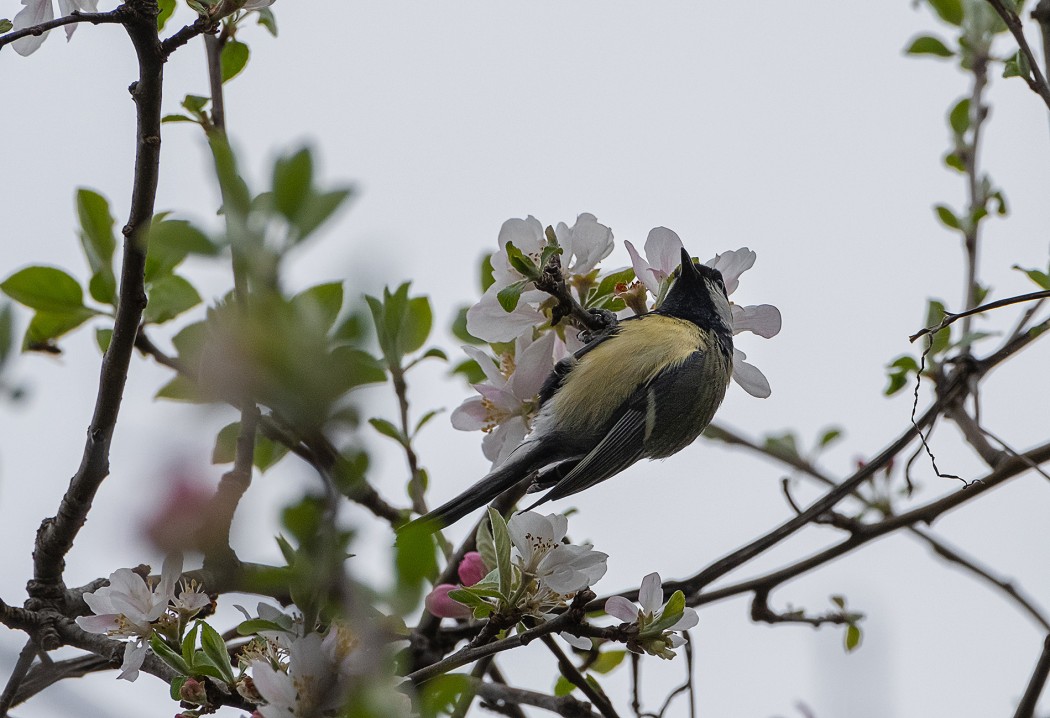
{"points": [[573, 675], [502, 694], [116, 16], [1037, 82], [1026, 708], [55, 536], [950, 318]]}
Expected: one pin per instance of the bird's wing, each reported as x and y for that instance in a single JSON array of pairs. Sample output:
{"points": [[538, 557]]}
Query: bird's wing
{"points": [[561, 369], [623, 445]]}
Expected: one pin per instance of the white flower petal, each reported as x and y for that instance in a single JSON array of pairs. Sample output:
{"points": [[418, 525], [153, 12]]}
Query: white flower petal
{"points": [[134, 655], [471, 415], [749, 377], [532, 367], [488, 366], [762, 319], [585, 244], [501, 442], [641, 269], [687, 621], [98, 624], [651, 593], [732, 264], [274, 686], [620, 607], [487, 320], [663, 249], [676, 640], [581, 642], [34, 13]]}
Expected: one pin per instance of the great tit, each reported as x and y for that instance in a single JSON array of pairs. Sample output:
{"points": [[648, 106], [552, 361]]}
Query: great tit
{"points": [[645, 388]]}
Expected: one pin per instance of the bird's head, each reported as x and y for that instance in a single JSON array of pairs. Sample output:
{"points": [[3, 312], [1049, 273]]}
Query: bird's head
{"points": [[699, 295]]}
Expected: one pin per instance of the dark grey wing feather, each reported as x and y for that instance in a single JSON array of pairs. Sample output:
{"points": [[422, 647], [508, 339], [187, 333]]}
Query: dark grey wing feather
{"points": [[623, 445]]}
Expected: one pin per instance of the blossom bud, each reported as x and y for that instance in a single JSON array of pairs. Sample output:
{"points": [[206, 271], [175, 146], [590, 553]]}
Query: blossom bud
{"points": [[193, 691], [472, 568], [440, 605]]}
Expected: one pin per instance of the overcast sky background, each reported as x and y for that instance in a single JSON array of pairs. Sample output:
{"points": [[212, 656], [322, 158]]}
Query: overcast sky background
{"points": [[796, 129]]}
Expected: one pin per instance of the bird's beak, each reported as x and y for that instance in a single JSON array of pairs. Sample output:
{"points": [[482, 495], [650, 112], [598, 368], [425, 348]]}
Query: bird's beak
{"points": [[687, 261]]}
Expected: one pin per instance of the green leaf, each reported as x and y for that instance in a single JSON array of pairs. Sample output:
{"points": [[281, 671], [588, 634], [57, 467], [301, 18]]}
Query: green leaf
{"points": [[195, 104], [180, 388], [1041, 278], [233, 59], [267, 20], [6, 25], [415, 562], [169, 297], [170, 241], [470, 370], [236, 200], [256, 625], [853, 637], [900, 368], [320, 304], [103, 337], [959, 117], [45, 326], [355, 368], [928, 45], [215, 649], [951, 11], [947, 217], [782, 444], [167, 7], [317, 209], [485, 544], [604, 291], [423, 420], [670, 615], [267, 452], [830, 435], [168, 655], [225, 449], [501, 541], [7, 332], [839, 601], [955, 162], [934, 315], [607, 661], [440, 695], [189, 643], [1017, 66], [99, 243], [520, 263], [459, 328], [385, 428], [46, 289], [175, 690], [1000, 201], [176, 118], [508, 296], [416, 327], [485, 274], [292, 182], [563, 687]]}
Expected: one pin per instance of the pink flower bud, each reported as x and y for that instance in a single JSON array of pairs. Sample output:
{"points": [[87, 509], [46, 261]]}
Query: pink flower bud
{"points": [[439, 604], [472, 568], [193, 691]]}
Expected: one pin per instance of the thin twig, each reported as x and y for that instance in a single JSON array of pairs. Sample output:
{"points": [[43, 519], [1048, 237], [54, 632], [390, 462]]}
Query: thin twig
{"points": [[500, 694], [25, 660], [1026, 708], [116, 16], [949, 317], [573, 675], [1037, 82]]}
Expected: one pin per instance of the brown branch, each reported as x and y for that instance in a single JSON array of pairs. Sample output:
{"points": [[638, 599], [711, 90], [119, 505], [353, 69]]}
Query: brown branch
{"points": [[573, 675], [116, 16], [552, 281], [55, 536], [25, 660], [925, 514], [200, 26], [761, 612], [950, 318], [1026, 708], [499, 694], [1037, 82]]}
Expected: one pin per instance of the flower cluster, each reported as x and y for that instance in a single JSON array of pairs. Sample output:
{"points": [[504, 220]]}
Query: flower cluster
{"points": [[515, 316], [130, 608], [656, 621], [539, 572]]}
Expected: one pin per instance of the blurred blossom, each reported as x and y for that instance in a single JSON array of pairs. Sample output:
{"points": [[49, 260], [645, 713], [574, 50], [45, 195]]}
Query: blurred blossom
{"points": [[36, 12], [180, 518]]}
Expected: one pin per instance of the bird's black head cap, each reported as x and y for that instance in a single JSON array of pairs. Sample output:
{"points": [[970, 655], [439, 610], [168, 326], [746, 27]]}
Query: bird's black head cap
{"points": [[699, 295]]}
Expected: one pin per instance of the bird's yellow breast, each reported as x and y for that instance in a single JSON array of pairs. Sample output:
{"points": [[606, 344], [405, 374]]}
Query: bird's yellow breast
{"points": [[608, 374]]}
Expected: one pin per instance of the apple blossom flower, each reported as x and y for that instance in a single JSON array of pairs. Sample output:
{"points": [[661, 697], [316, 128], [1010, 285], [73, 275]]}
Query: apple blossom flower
{"points": [[656, 620], [36, 12], [583, 245], [507, 402], [559, 568], [662, 256], [128, 607]]}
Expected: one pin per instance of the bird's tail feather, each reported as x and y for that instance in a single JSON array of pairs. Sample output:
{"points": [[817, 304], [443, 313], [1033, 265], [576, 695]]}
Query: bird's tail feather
{"points": [[511, 472]]}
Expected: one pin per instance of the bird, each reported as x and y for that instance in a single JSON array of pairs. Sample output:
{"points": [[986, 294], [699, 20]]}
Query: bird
{"points": [[644, 388]]}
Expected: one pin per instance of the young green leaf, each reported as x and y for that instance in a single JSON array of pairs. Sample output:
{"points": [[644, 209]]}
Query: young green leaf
{"points": [[169, 297], [267, 20], [416, 327], [509, 296], [166, 7], [233, 59], [46, 289], [928, 45], [947, 217], [165, 653], [215, 649], [292, 182], [502, 543]]}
